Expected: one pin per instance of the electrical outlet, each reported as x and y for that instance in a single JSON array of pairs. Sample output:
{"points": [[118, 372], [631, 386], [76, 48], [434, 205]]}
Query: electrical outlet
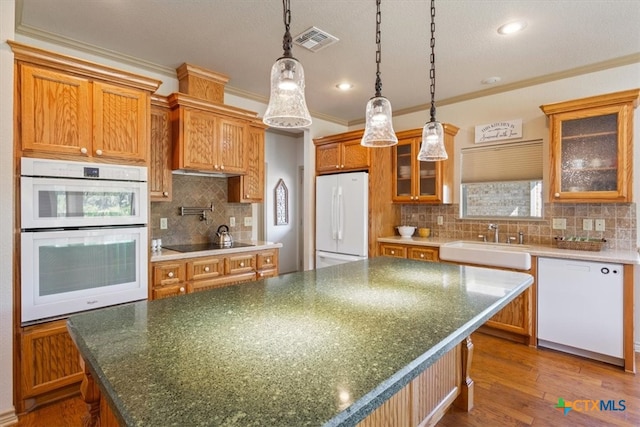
{"points": [[587, 224], [232, 221], [559, 223], [599, 224], [440, 220], [163, 224], [248, 221]]}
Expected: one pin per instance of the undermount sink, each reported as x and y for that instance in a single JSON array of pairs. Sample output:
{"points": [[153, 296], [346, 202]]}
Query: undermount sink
{"points": [[486, 253]]}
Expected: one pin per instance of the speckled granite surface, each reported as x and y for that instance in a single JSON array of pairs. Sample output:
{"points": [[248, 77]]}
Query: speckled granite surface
{"points": [[323, 347]]}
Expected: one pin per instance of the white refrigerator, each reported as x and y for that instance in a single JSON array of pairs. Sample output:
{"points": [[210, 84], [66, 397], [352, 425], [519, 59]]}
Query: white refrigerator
{"points": [[342, 218]]}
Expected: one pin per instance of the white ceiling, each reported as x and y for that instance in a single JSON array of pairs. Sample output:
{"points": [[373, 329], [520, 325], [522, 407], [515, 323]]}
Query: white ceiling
{"points": [[242, 39]]}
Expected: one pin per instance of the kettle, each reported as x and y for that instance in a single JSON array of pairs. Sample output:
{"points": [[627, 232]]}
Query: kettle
{"points": [[223, 238]]}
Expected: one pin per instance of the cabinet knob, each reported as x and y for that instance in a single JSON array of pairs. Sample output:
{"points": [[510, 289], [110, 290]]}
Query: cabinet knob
{"points": [[342, 166], [556, 194], [165, 193], [221, 167], [268, 260], [421, 255], [83, 150], [206, 269], [182, 289], [242, 264], [337, 166], [246, 196], [261, 274], [216, 167], [98, 152], [170, 274], [393, 252]]}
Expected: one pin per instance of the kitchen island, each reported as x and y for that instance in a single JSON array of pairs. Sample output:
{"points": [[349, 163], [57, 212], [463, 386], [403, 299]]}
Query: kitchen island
{"points": [[375, 342]]}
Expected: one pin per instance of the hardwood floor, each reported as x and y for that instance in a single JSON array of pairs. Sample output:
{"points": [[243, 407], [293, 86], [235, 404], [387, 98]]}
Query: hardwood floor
{"points": [[514, 386]]}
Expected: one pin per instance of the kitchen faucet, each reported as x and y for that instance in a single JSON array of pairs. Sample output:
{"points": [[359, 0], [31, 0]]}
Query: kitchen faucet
{"points": [[494, 227]]}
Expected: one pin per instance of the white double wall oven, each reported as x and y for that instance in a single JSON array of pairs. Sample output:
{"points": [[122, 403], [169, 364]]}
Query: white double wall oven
{"points": [[84, 237]]}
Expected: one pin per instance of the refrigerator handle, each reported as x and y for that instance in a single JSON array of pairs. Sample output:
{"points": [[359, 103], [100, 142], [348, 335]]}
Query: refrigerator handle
{"points": [[340, 214], [333, 214]]}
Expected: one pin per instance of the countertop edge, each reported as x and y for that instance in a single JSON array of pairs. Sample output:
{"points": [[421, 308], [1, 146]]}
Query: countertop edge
{"points": [[366, 405], [621, 257], [169, 255]]}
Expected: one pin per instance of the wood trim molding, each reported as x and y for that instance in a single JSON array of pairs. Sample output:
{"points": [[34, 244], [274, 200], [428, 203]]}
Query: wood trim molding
{"points": [[45, 58]]}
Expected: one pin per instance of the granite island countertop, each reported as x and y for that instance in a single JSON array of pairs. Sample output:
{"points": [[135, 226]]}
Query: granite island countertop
{"points": [[321, 347]]}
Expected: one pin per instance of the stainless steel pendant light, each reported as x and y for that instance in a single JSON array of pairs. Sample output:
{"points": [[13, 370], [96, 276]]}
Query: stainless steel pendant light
{"points": [[432, 148], [378, 130], [287, 107]]}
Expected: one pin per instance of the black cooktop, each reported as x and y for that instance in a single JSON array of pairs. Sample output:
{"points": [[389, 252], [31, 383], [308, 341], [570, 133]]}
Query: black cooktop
{"points": [[205, 247]]}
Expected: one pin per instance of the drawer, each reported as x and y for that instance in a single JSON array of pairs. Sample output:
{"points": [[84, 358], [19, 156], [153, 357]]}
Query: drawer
{"points": [[205, 268], [168, 273], [240, 263], [393, 251], [423, 254], [266, 260]]}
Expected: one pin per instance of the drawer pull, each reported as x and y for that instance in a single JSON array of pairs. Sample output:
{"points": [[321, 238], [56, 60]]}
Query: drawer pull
{"points": [[421, 255], [182, 289], [268, 260], [206, 269], [393, 252], [170, 274], [242, 264]]}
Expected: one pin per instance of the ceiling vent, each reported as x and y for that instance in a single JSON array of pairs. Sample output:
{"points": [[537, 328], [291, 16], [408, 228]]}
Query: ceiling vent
{"points": [[314, 39]]}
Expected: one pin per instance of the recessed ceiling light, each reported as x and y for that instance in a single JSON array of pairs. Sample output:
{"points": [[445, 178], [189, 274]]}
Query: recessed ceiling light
{"points": [[512, 27], [344, 86], [490, 80]]}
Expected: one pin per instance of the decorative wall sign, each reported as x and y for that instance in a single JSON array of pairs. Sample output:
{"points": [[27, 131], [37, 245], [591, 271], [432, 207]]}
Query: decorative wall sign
{"points": [[282, 203], [498, 131]]}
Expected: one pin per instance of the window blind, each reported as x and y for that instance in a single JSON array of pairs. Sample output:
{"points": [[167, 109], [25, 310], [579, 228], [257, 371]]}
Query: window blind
{"points": [[518, 161]]}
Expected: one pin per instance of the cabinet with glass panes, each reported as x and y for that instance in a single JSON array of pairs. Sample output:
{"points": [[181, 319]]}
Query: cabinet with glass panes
{"points": [[422, 182], [591, 148]]}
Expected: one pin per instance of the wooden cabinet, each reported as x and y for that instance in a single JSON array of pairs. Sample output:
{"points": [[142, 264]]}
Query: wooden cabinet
{"points": [[160, 178], [73, 109], [249, 188], [516, 321], [209, 137], [50, 367], [416, 252], [267, 263], [172, 278], [591, 148], [341, 153], [168, 279], [422, 182]]}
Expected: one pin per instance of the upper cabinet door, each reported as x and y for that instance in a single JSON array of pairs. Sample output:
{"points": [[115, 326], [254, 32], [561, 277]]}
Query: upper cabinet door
{"points": [[422, 182], [196, 138], [120, 120], [342, 153], [591, 149], [231, 142], [55, 112]]}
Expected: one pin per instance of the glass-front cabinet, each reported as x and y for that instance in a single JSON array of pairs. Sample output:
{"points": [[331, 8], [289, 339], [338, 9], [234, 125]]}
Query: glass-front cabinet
{"points": [[591, 148], [422, 182]]}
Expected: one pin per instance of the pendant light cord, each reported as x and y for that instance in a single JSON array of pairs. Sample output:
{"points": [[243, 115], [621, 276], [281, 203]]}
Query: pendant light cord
{"points": [[432, 72], [287, 41], [378, 50]]}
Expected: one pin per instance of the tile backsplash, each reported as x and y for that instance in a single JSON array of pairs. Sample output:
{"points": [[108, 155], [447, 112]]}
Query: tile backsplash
{"points": [[198, 191], [620, 223]]}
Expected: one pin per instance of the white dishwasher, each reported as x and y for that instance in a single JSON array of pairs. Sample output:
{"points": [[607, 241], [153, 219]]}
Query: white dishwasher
{"points": [[580, 308]]}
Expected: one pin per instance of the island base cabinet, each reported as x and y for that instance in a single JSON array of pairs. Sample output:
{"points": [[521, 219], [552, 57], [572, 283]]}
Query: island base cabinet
{"points": [[425, 400], [49, 365]]}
